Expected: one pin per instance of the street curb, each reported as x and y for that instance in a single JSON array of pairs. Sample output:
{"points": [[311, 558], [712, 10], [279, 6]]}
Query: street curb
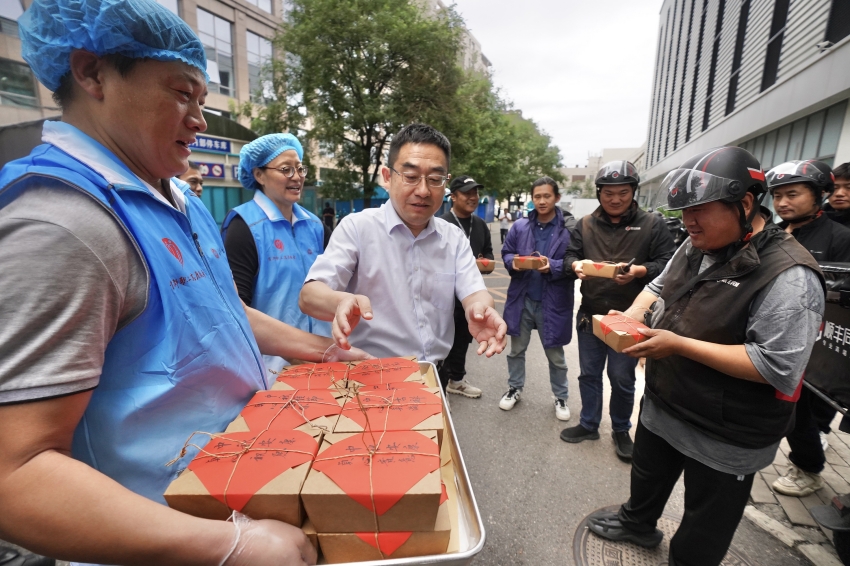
{"points": [[817, 554]]}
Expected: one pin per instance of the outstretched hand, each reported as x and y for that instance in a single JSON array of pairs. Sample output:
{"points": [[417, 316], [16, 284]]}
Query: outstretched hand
{"points": [[487, 329], [348, 314]]}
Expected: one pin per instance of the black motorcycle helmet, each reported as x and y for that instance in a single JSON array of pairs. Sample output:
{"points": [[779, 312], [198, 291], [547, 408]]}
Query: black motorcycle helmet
{"points": [[816, 174], [722, 173], [617, 173]]}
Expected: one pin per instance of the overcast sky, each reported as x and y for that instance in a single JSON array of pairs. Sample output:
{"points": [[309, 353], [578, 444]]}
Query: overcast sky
{"points": [[581, 69]]}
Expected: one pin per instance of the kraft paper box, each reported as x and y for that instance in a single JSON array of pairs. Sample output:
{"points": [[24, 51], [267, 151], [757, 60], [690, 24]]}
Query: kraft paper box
{"points": [[527, 262], [485, 265], [259, 475], [386, 370], [307, 410], [388, 480], [604, 269], [310, 531], [312, 376], [396, 409], [617, 331], [338, 548]]}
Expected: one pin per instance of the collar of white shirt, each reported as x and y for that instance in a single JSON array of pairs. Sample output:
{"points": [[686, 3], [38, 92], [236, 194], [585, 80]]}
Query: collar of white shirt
{"points": [[392, 219], [273, 212]]}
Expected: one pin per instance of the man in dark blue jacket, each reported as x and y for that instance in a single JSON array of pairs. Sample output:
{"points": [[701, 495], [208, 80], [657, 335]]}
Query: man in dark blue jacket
{"points": [[541, 299]]}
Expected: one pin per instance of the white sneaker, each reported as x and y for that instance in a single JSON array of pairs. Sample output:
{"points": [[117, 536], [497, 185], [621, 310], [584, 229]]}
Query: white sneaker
{"points": [[562, 412], [797, 483], [510, 399], [463, 388], [823, 441]]}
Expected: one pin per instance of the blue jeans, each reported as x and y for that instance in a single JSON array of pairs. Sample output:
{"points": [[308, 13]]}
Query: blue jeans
{"points": [[532, 317], [592, 353]]}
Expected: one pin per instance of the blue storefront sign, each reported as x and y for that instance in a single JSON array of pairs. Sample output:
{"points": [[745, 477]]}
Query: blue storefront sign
{"points": [[207, 143], [213, 170]]}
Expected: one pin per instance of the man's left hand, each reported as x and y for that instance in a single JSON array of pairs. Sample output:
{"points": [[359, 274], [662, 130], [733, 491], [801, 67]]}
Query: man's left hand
{"points": [[487, 328], [636, 272], [658, 344], [545, 268]]}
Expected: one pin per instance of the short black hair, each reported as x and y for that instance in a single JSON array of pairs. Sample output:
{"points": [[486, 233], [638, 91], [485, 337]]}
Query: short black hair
{"points": [[121, 63], [545, 181], [193, 165], [842, 171], [419, 133]]}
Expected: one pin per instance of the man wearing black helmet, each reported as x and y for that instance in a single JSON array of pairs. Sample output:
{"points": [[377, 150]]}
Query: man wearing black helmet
{"points": [[838, 208], [734, 317], [798, 189], [616, 231]]}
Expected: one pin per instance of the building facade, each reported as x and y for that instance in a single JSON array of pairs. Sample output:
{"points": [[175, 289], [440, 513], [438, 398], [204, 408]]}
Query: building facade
{"points": [[767, 75]]}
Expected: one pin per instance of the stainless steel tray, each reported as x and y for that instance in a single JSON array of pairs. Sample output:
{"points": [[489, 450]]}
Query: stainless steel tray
{"points": [[471, 533]]}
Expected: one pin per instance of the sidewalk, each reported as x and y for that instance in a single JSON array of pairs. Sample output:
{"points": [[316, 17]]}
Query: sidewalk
{"points": [[788, 518]]}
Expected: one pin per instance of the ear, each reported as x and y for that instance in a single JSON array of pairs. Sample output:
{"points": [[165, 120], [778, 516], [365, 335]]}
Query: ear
{"points": [[747, 202], [259, 175], [386, 174], [88, 72]]}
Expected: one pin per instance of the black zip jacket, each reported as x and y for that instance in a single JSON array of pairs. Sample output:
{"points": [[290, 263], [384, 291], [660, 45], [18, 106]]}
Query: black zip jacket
{"points": [[826, 240], [840, 216], [479, 235], [638, 235]]}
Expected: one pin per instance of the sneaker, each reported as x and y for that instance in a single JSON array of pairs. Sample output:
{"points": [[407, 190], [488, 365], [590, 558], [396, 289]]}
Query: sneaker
{"points": [[510, 399], [624, 445], [797, 482], [463, 388], [607, 525], [562, 412], [578, 433], [823, 441]]}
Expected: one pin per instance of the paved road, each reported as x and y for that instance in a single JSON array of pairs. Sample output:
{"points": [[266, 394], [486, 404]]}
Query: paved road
{"points": [[534, 489]]}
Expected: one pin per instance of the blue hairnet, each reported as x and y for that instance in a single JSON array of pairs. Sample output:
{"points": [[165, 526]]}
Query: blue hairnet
{"points": [[260, 152], [51, 29]]}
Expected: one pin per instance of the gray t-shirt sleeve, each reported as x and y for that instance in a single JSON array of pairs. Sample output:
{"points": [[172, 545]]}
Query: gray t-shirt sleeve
{"points": [[783, 326], [71, 277], [657, 285]]}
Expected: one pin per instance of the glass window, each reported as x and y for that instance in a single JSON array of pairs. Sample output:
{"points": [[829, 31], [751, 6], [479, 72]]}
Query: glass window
{"points": [[782, 145], [813, 131], [769, 148], [17, 87], [215, 34], [832, 130], [839, 21], [264, 5], [758, 151], [259, 56], [10, 11], [171, 5], [795, 146]]}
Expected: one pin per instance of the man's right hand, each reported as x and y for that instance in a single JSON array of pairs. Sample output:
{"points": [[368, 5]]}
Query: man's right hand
{"points": [[271, 543], [348, 314], [577, 267]]}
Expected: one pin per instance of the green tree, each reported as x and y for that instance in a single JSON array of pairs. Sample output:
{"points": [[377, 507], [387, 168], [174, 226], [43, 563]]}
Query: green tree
{"points": [[355, 73]]}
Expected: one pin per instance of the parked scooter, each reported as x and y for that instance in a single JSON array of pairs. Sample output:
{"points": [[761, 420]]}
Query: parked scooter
{"points": [[677, 230]]}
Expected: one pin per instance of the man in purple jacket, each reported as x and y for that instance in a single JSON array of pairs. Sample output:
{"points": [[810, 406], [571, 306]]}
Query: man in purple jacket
{"points": [[541, 299]]}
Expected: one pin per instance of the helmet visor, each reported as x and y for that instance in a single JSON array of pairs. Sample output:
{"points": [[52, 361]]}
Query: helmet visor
{"points": [[690, 187]]}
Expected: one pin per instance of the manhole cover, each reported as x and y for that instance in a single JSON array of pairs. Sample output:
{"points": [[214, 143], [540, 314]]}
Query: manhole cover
{"points": [[591, 550]]}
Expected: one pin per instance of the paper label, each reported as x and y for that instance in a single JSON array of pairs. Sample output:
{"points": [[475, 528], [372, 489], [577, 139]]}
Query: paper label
{"points": [[383, 474], [386, 543], [392, 386], [233, 467], [286, 410], [386, 370], [395, 410], [611, 323], [314, 376]]}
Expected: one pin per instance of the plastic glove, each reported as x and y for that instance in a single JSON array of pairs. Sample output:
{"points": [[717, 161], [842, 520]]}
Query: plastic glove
{"points": [[337, 354], [272, 543]]}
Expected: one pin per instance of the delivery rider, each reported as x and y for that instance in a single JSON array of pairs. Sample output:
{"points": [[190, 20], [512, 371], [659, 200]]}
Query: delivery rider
{"points": [[617, 231], [734, 317], [122, 330]]}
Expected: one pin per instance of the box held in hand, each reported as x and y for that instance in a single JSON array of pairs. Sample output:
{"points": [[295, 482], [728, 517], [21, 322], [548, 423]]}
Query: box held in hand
{"points": [[485, 265], [602, 269], [527, 262], [618, 331]]}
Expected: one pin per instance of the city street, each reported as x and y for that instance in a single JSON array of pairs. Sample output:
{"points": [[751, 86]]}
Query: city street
{"points": [[534, 489]]}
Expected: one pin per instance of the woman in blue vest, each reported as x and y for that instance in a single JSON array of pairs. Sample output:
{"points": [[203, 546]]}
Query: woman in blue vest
{"points": [[272, 241], [122, 333]]}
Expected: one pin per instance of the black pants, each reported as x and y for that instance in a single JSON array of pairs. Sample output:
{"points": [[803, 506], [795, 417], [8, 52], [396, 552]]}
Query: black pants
{"points": [[804, 438], [454, 366], [823, 413], [714, 501], [503, 232]]}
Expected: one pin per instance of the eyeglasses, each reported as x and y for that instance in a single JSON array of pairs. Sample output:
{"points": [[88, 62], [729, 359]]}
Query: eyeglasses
{"points": [[433, 181], [290, 171]]}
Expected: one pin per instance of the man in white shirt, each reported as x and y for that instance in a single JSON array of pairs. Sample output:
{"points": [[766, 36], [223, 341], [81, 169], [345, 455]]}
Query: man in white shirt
{"points": [[410, 264]]}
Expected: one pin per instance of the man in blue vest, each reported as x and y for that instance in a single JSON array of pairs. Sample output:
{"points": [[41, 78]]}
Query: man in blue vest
{"points": [[122, 330]]}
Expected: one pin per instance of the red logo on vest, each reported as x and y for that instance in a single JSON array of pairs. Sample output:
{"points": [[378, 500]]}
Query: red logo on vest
{"points": [[172, 247], [214, 252], [278, 244]]}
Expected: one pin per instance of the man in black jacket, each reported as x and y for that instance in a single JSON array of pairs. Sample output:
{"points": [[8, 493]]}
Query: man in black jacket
{"points": [[464, 194], [798, 189], [617, 231], [838, 208]]}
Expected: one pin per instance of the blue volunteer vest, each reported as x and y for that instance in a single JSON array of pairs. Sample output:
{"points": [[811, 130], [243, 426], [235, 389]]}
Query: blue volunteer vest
{"points": [[285, 252], [189, 362]]}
